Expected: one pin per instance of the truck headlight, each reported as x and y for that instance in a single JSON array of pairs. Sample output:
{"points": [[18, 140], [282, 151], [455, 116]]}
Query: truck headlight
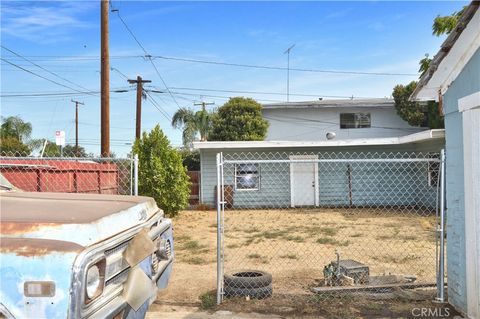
{"points": [[94, 280]]}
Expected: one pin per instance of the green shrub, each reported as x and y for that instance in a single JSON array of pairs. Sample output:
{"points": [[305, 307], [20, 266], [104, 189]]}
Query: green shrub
{"points": [[208, 300], [161, 173]]}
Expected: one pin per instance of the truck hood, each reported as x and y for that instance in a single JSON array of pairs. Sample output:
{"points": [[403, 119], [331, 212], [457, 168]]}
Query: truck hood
{"points": [[83, 219]]}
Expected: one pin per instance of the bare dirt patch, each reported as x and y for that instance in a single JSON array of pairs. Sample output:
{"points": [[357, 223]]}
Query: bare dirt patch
{"points": [[295, 245]]}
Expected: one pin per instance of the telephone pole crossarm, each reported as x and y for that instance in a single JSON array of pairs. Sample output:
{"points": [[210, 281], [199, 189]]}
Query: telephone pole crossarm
{"points": [[204, 104]]}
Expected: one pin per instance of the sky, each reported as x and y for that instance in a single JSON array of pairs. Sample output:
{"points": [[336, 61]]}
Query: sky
{"points": [[61, 40]]}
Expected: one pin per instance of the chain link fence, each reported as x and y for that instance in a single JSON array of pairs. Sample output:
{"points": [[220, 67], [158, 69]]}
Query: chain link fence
{"points": [[93, 175], [328, 224]]}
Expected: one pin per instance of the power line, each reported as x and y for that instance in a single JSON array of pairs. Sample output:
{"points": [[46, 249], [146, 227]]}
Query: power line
{"points": [[254, 66], [157, 106], [66, 94], [44, 69], [221, 97], [270, 93], [40, 76], [288, 119], [242, 65], [147, 55]]}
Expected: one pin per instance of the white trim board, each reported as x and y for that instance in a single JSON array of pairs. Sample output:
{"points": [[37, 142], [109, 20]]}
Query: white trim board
{"points": [[469, 102], [412, 138], [471, 155]]}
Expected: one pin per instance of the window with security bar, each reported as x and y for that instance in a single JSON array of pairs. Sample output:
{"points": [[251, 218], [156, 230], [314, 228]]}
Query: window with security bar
{"points": [[247, 177], [355, 120]]}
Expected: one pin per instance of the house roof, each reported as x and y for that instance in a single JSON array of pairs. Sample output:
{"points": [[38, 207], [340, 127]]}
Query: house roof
{"points": [[419, 137], [454, 53], [378, 103]]}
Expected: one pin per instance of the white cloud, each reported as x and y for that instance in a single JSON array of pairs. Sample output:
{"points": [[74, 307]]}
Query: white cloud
{"points": [[43, 22]]}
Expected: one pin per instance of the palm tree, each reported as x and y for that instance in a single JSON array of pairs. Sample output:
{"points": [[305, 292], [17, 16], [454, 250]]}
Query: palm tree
{"points": [[192, 123]]}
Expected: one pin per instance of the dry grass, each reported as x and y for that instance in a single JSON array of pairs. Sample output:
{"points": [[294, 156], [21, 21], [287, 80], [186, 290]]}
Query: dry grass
{"points": [[294, 245]]}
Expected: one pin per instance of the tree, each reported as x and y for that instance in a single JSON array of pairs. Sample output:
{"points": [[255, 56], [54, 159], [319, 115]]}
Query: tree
{"points": [[412, 112], [13, 134], [240, 119], [192, 123], [441, 25], [161, 172], [424, 64], [14, 126], [53, 150], [191, 159], [11, 146], [446, 24], [408, 110]]}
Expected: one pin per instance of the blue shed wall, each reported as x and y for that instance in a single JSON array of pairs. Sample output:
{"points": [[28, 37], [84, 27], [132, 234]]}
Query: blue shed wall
{"points": [[372, 184], [468, 82]]}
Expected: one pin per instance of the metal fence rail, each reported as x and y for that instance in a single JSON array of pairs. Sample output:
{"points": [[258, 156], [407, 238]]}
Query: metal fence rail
{"points": [[329, 224], [71, 174]]}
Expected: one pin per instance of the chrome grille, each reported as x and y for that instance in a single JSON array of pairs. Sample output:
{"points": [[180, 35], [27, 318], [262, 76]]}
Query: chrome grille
{"points": [[118, 278], [118, 248], [155, 260], [168, 249]]}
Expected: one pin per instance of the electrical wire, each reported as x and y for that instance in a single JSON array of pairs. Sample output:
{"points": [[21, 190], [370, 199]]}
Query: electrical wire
{"points": [[157, 106], [287, 119], [40, 76], [272, 93], [147, 55], [242, 65], [254, 66], [44, 69], [66, 94]]}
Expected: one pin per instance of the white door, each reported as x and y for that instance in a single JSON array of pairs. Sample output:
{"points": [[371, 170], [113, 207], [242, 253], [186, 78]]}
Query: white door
{"points": [[303, 181]]}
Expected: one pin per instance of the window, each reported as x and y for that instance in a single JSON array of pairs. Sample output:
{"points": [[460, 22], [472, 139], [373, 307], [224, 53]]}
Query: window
{"points": [[355, 120], [433, 171], [247, 177]]}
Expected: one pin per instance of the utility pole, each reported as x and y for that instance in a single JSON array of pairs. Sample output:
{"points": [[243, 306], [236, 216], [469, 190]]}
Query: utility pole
{"points": [[287, 52], [105, 82], [203, 135], [204, 104], [138, 126], [77, 103]]}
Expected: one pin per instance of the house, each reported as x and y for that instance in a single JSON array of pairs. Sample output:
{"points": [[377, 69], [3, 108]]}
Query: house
{"points": [[299, 130], [348, 119], [453, 79]]}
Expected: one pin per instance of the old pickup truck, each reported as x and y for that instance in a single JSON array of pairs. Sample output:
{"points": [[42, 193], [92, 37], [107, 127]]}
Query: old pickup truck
{"points": [[81, 255]]}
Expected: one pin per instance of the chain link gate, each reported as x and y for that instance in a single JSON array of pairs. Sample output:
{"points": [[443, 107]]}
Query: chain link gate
{"points": [[330, 224], [93, 175]]}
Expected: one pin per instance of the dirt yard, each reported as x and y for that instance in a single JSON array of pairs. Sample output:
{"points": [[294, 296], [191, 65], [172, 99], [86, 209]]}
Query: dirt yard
{"points": [[295, 245]]}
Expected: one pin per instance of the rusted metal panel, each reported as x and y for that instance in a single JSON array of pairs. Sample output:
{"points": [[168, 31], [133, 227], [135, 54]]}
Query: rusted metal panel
{"points": [[37, 247], [67, 176]]}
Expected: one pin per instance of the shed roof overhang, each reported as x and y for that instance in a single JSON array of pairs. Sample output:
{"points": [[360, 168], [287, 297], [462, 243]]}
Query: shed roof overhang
{"points": [[419, 137], [454, 54]]}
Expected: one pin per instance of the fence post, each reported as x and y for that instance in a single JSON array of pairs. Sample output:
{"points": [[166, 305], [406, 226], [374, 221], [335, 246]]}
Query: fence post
{"points": [[135, 175], [441, 231], [219, 233]]}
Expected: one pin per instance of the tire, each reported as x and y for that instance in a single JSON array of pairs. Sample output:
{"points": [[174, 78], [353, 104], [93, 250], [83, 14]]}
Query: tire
{"points": [[248, 279], [254, 293]]}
